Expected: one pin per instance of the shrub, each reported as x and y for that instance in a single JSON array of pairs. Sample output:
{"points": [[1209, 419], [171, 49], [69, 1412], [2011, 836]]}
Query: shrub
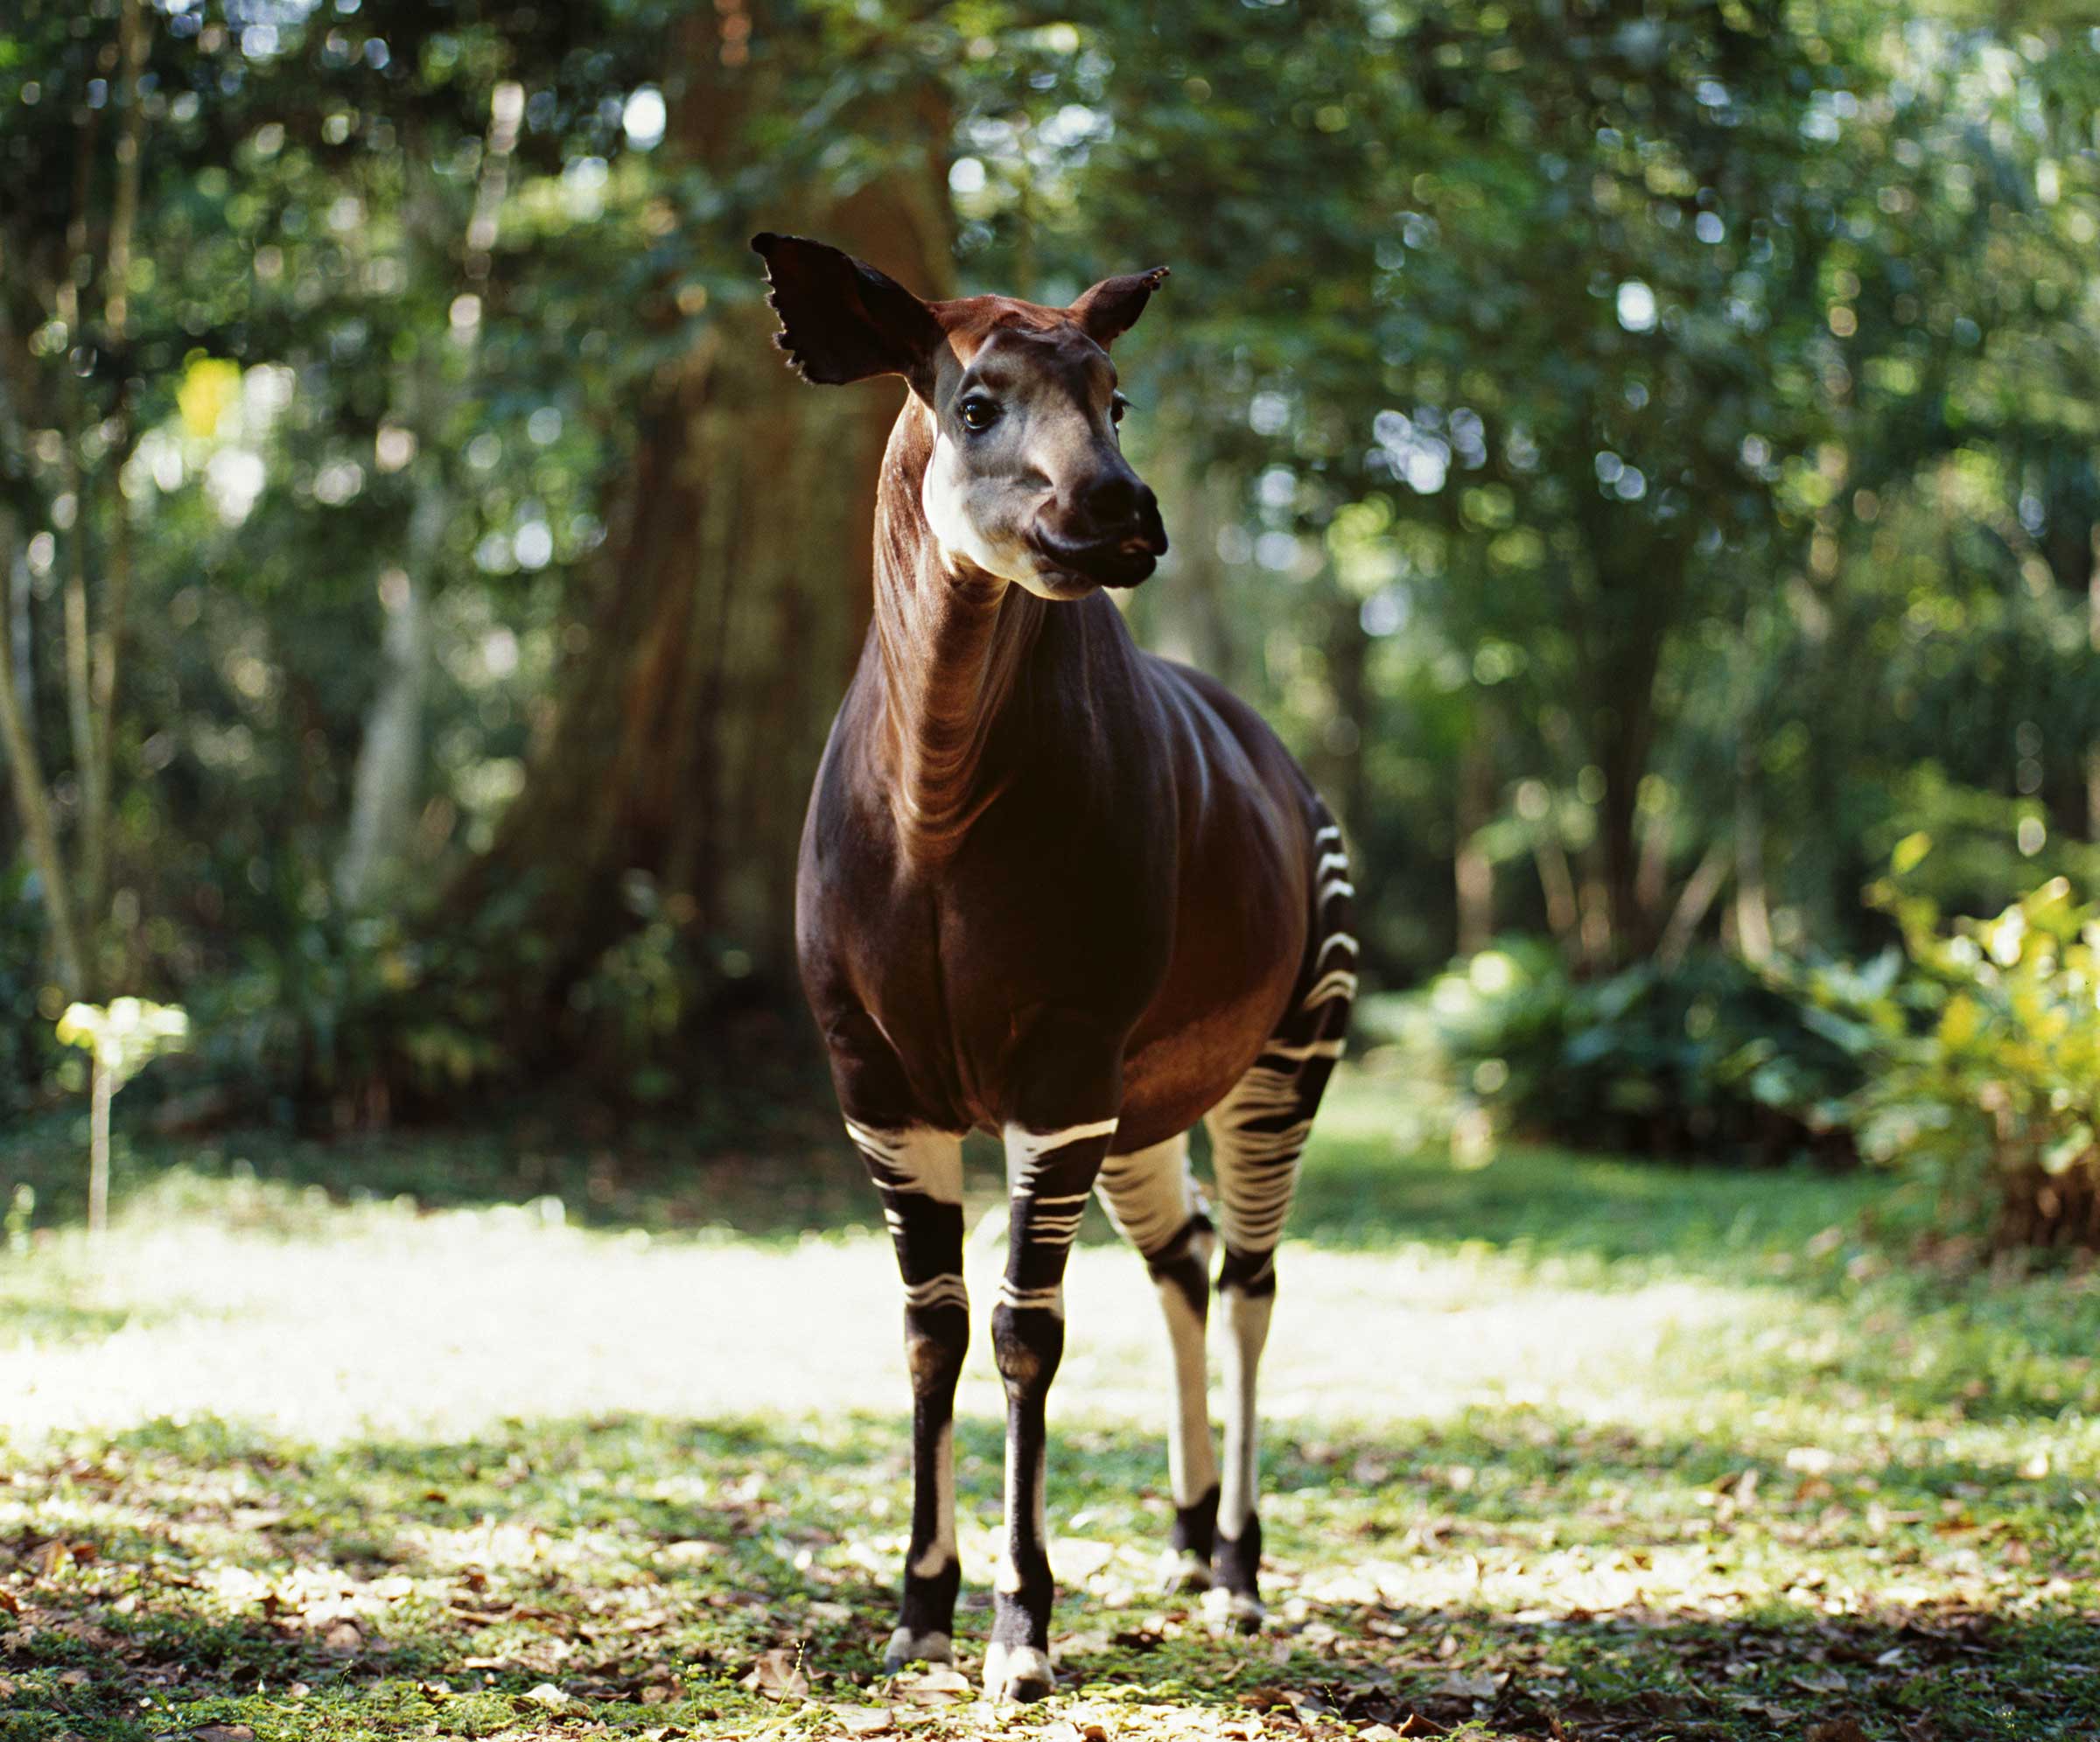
{"points": [[1711, 1057], [1998, 1096]]}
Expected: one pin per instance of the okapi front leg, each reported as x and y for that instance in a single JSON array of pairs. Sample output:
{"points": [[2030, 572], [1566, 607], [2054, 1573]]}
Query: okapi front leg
{"points": [[919, 1173], [1050, 1174]]}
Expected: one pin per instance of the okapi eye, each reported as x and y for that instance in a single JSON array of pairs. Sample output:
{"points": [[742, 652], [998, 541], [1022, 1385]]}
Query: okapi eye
{"points": [[978, 413], [1117, 406]]}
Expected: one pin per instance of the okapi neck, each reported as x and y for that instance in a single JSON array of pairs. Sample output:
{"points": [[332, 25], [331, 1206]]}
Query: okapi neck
{"points": [[953, 644]]}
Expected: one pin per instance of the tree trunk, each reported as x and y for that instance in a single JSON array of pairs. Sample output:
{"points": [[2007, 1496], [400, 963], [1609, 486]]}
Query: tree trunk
{"points": [[1693, 904], [1473, 872], [707, 658], [1753, 918], [33, 805], [1556, 883], [1628, 731], [106, 644], [388, 777], [2092, 634], [1183, 615], [100, 1092], [1340, 763], [387, 781]]}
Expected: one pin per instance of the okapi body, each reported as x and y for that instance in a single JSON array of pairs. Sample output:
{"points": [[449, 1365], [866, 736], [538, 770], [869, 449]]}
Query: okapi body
{"points": [[1057, 889]]}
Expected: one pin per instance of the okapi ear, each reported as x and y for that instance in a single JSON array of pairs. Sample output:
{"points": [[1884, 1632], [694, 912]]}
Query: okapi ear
{"points": [[1111, 308], [841, 320]]}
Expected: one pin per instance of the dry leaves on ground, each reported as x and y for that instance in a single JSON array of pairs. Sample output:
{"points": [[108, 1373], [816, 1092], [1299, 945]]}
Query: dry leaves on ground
{"points": [[778, 1675]]}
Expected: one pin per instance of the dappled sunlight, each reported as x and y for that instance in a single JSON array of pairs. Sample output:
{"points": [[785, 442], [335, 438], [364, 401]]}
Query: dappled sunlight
{"points": [[442, 1326], [482, 1468]]}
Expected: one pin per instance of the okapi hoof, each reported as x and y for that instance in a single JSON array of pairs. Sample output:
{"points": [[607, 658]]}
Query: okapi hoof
{"points": [[1017, 1672], [1183, 1573], [1239, 1612], [907, 1647]]}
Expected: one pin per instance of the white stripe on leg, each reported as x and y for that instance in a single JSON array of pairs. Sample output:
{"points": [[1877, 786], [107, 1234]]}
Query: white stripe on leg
{"points": [[940, 1552], [1246, 1332]]}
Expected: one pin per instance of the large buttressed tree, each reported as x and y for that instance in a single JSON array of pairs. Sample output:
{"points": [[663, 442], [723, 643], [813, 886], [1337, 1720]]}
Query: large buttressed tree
{"points": [[711, 639]]}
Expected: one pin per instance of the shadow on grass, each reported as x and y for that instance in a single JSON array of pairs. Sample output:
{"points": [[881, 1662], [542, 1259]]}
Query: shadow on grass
{"points": [[1613, 1586]]}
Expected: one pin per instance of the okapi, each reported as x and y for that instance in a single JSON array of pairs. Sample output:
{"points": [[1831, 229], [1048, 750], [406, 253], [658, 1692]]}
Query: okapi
{"points": [[1058, 889]]}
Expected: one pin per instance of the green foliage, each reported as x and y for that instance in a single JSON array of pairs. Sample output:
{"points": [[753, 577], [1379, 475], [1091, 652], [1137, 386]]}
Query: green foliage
{"points": [[1968, 851], [1709, 1057], [1998, 1100], [1609, 436]]}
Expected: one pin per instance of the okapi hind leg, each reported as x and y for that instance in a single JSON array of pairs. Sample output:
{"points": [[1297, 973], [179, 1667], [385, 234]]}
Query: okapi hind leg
{"points": [[1152, 1197], [1257, 1133], [918, 1172]]}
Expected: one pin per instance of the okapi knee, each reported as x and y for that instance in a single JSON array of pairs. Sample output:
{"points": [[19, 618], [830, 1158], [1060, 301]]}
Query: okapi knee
{"points": [[935, 1340]]}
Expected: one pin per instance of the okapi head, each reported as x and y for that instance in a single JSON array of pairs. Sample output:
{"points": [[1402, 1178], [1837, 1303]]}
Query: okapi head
{"points": [[1026, 479]]}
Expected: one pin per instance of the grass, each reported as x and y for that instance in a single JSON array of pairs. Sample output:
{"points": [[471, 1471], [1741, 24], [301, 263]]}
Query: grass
{"points": [[1558, 1447]]}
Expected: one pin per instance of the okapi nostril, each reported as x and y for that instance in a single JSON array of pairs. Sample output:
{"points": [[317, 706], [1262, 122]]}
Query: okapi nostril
{"points": [[1115, 499]]}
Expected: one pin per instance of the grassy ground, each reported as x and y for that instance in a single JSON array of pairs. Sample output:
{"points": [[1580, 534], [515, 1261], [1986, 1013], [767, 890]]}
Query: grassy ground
{"points": [[1559, 1448]]}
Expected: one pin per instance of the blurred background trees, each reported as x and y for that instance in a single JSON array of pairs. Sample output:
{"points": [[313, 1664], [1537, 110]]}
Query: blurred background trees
{"points": [[1642, 457]]}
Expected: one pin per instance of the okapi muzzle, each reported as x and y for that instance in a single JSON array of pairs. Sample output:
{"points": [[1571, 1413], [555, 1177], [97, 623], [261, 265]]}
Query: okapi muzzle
{"points": [[1055, 889]]}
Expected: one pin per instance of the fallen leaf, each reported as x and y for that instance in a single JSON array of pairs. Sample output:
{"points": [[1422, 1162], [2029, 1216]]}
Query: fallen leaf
{"points": [[1819, 1682], [10, 1603], [1765, 1709], [862, 1720], [930, 1688], [72, 1678], [547, 1695], [778, 1675], [1837, 1730], [343, 1638], [223, 1733], [836, 1612], [1478, 1686]]}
